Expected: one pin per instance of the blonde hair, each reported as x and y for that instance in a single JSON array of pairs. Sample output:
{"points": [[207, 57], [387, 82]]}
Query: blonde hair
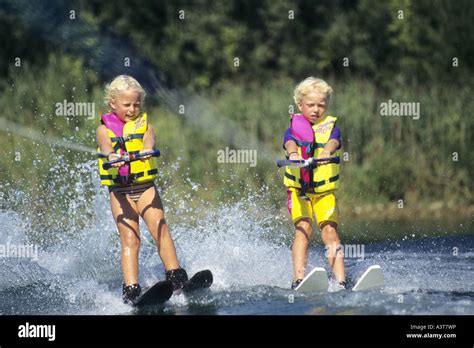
{"points": [[123, 83], [309, 85]]}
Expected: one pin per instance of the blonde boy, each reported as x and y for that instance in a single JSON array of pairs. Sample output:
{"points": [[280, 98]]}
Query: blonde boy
{"points": [[311, 198]]}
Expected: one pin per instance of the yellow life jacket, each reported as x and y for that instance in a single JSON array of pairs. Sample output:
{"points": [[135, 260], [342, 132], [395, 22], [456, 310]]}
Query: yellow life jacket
{"points": [[321, 178], [127, 138]]}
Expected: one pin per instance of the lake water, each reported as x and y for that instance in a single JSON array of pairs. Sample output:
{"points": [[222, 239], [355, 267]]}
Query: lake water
{"points": [[251, 261]]}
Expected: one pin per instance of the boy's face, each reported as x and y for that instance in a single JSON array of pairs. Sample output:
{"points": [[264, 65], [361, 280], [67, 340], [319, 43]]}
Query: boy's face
{"points": [[313, 106], [126, 105]]}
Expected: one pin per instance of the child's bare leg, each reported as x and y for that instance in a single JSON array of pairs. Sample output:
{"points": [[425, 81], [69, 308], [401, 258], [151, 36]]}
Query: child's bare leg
{"points": [[151, 209], [334, 254], [299, 251], [125, 213]]}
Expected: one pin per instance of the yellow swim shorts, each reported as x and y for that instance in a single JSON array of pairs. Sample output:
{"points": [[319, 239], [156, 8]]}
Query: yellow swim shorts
{"points": [[321, 205]]}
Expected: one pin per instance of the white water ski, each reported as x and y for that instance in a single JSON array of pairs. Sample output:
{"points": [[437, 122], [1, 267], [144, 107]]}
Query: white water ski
{"points": [[315, 281], [371, 279]]}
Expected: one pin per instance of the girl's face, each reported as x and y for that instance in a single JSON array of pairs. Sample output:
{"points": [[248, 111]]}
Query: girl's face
{"points": [[126, 105], [313, 106]]}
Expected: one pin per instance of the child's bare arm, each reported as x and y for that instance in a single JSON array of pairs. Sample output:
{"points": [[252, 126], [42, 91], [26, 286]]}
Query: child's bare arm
{"points": [[149, 138], [331, 146], [148, 141], [292, 150]]}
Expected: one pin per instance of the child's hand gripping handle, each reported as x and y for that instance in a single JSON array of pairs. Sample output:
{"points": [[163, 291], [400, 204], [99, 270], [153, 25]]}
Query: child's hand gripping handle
{"points": [[131, 158]]}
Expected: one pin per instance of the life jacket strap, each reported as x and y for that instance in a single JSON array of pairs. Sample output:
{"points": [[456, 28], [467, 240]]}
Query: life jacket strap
{"points": [[126, 138], [306, 185], [120, 179], [289, 176], [302, 191], [148, 172], [310, 145], [128, 179], [321, 183], [120, 141]]}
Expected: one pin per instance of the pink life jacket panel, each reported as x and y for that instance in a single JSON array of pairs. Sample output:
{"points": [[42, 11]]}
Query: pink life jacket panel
{"points": [[115, 124], [303, 133]]}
